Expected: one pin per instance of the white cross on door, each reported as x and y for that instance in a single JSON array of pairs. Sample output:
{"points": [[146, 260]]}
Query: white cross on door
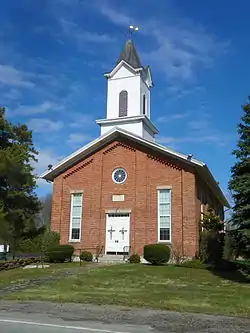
{"points": [[111, 230], [122, 232]]}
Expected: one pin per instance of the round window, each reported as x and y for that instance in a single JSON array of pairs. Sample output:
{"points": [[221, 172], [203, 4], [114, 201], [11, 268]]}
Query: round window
{"points": [[119, 175]]}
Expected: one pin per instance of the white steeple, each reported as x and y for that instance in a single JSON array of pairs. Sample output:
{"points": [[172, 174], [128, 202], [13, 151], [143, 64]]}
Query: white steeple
{"points": [[128, 96]]}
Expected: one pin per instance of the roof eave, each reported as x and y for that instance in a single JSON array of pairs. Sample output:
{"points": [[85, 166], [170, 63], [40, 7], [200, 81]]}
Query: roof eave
{"points": [[210, 180]]}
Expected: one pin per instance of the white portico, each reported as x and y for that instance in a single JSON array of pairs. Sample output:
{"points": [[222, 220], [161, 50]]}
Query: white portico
{"points": [[128, 96]]}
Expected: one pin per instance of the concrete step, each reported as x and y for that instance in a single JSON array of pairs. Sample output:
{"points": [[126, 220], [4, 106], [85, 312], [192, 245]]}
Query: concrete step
{"points": [[111, 259]]}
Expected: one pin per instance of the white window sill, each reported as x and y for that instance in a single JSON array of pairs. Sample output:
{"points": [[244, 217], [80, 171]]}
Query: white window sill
{"points": [[165, 241], [74, 240]]}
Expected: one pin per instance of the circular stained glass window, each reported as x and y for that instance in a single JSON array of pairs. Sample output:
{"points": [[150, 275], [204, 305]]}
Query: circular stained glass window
{"points": [[119, 175]]}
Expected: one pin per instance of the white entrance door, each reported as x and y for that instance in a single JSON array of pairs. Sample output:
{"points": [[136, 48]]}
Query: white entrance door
{"points": [[117, 233]]}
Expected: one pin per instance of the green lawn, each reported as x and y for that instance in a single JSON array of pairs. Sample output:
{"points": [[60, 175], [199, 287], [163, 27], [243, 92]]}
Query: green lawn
{"points": [[19, 275], [164, 287]]}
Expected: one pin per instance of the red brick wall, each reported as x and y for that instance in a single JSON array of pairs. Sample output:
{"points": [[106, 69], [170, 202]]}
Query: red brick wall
{"points": [[206, 197], [145, 171]]}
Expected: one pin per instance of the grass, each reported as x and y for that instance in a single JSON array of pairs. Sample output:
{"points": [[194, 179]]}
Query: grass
{"points": [[159, 287], [19, 275]]}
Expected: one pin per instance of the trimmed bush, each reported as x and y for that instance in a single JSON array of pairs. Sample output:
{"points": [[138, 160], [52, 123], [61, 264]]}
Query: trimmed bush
{"points": [[86, 256], [193, 264], [60, 253], [134, 259], [157, 254]]}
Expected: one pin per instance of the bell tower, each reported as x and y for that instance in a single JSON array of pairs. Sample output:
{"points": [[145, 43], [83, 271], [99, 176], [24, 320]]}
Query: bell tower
{"points": [[128, 95]]}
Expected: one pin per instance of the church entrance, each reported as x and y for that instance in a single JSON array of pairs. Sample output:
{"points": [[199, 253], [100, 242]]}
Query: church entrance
{"points": [[117, 233]]}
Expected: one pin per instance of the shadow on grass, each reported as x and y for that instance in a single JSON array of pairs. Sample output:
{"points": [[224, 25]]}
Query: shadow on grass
{"points": [[236, 276], [232, 270], [238, 271]]}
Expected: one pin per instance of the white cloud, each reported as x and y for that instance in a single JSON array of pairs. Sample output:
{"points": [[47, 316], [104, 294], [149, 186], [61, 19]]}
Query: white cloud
{"points": [[217, 139], [12, 94], [45, 157], [11, 76], [76, 139], [40, 125], [199, 130], [80, 120], [73, 30], [180, 45], [170, 117], [115, 16], [45, 107]]}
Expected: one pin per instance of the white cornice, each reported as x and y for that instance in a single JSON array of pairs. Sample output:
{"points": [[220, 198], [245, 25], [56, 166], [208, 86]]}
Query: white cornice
{"points": [[124, 120]]}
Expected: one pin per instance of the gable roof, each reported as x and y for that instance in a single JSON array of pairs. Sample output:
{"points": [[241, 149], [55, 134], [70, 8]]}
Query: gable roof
{"points": [[126, 65], [114, 133], [129, 55]]}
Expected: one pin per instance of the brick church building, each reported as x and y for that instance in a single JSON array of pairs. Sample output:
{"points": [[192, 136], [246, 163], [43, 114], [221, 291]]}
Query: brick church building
{"points": [[124, 190]]}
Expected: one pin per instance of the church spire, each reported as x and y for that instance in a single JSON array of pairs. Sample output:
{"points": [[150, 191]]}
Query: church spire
{"points": [[129, 55]]}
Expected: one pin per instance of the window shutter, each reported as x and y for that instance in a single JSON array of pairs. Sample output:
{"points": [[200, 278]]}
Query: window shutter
{"points": [[144, 104]]}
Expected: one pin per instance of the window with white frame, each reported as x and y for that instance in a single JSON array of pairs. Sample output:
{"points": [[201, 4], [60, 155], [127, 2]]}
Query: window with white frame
{"points": [[164, 215], [76, 216]]}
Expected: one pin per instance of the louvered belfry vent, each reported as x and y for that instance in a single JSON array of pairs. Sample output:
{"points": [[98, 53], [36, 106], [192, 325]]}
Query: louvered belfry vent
{"points": [[123, 103]]}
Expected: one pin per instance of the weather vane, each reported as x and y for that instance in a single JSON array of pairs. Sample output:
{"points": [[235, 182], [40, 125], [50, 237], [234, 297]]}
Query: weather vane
{"points": [[133, 28]]}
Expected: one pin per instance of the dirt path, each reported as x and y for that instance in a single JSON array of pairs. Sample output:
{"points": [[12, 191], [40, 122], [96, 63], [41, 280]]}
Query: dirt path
{"points": [[46, 279]]}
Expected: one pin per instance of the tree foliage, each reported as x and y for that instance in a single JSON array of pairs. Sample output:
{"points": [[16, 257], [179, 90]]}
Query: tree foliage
{"points": [[240, 182], [211, 238], [211, 221], [44, 216], [18, 201]]}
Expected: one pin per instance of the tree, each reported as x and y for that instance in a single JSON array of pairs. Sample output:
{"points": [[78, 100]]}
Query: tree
{"points": [[211, 237], [18, 201], [44, 216], [212, 222], [240, 182]]}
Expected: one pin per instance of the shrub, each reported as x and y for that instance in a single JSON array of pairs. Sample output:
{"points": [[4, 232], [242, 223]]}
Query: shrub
{"points": [[177, 255], [193, 264], [40, 243], [157, 254], [30, 245], [134, 259], [60, 253], [50, 238], [86, 256], [211, 247], [228, 250]]}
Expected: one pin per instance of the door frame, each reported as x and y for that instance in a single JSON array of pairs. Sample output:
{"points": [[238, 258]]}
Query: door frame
{"points": [[106, 220]]}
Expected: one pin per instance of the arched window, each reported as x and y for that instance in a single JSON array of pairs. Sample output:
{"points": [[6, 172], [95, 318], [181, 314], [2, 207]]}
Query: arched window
{"points": [[144, 104], [123, 103]]}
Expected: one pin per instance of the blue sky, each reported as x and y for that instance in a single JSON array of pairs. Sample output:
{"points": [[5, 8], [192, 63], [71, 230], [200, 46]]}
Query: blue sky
{"points": [[53, 55]]}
